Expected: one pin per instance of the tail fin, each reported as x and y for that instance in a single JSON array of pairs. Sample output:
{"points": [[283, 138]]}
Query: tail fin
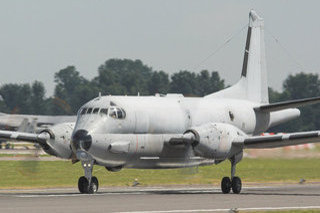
{"points": [[253, 83]]}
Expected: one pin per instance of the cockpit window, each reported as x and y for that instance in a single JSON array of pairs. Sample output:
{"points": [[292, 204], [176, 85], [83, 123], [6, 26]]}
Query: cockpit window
{"points": [[117, 112], [104, 111], [83, 111], [89, 110], [95, 110]]}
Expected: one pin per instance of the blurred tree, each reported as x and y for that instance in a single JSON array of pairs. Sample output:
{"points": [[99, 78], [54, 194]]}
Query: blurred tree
{"points": [[301, 85], [123, 77], [38, 102], [184, 82], [17, 98], [158, 83], [71, 91], [207, 83], [191, 84], [3, 106]]}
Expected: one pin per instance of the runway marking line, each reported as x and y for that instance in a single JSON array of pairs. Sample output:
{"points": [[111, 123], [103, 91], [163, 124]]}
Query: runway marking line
{"points": [[227, 210], [131, 192]]}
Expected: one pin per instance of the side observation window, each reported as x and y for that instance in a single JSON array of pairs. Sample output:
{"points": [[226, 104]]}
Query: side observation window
{"points": [[116, 112], [104, 111], [95, 110], [123, 114], [83, 111], [113, 112], [119, 112], [89, 111]]}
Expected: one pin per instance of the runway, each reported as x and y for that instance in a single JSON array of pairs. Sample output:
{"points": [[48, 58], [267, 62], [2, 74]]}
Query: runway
{"points": [[161, 199]]}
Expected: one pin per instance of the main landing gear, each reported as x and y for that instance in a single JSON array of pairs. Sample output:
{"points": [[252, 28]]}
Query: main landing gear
{"points": [[234, 183], [88, 184]]}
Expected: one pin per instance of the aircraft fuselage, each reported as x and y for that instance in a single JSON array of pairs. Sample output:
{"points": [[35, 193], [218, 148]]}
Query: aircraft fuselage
{"points": [[136, 135]]}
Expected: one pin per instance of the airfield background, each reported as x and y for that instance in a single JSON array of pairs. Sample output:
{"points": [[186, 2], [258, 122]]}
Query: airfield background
{"points": [[132, 77]]}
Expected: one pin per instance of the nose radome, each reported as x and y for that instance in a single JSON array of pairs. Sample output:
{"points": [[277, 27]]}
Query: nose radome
{"points": [[81, 140]]}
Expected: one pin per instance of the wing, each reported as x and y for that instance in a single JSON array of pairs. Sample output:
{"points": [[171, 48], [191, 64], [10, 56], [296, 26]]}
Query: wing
{"points": [[287, 104], [274, 141], [22, 136]]}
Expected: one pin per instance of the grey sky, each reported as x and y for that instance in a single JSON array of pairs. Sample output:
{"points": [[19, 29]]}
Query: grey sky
{"points": [[38, 38]]}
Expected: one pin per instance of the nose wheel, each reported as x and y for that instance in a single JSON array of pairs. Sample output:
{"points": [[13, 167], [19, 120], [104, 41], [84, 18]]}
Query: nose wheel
{"points": [[88, 184], [85, 188]]}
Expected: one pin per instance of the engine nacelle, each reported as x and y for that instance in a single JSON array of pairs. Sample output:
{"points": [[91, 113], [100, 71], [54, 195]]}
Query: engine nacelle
{"points": [[58, 140], [214, 140]]}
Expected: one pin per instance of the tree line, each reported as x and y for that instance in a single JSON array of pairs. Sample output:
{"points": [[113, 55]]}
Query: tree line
{"points": [[130, 77]]}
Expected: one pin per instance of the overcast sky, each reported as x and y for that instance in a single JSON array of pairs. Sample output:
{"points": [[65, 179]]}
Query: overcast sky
{"points": [[38, 38]]}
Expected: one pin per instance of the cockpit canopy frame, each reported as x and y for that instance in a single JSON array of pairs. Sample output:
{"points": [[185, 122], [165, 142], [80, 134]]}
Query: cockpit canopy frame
{"points": [[113, 111]]}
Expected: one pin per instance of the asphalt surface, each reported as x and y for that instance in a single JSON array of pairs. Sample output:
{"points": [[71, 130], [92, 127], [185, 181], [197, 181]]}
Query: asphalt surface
{"points": [[161, 199]]}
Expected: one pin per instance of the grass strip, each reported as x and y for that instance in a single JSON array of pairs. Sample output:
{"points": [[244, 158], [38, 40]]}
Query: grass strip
{"points": [[30, 174]]}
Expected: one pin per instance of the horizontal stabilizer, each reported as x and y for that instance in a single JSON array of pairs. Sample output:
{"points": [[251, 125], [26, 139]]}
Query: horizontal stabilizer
{"points": [[274, 141], [287, 104]]}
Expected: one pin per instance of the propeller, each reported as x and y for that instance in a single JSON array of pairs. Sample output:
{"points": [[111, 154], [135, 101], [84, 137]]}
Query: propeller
{"points": [[188, 159], [54, 141], [29, 164]]}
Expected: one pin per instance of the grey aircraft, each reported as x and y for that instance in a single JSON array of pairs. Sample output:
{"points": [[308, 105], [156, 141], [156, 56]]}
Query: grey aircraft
{"points": [[32, 123], [173, 131]]}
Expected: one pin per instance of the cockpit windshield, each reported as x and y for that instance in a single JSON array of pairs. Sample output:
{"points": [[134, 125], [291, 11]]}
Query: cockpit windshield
{"points": [[83, 111], [89, 110], [95, 110], [104, 111], [113, 112]]}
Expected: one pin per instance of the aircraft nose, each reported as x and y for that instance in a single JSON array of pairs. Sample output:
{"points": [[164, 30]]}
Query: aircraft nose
{"points": [[81, 140]]}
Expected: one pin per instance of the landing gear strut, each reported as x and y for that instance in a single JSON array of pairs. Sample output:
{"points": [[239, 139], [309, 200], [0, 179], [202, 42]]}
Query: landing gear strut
{"points": [[234, 183], [88, 184]]}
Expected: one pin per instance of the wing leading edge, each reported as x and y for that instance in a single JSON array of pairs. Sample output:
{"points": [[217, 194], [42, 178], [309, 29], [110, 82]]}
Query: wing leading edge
{"points": [[22, 136], [274, 141]]}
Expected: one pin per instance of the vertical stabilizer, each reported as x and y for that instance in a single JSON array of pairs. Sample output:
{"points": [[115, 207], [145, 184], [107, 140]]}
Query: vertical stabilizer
{"points": [[253, 83]]}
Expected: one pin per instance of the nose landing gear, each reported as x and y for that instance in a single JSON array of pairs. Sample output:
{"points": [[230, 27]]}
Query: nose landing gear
{"points": [[234, 183], [88, 184]]}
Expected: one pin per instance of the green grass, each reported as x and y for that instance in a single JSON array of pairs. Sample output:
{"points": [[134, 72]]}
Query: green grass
{"points": [[317, 149], [28, 174]]}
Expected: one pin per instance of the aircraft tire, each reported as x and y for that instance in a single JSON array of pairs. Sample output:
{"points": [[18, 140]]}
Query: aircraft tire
{"points": [[236, 185], [83, 184], [226, 185], [94, 186]]}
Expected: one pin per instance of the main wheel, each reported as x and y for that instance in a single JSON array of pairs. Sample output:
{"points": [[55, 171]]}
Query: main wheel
{"points": [[94, 186], [83, 184], [226, 185], [236, 185]]}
